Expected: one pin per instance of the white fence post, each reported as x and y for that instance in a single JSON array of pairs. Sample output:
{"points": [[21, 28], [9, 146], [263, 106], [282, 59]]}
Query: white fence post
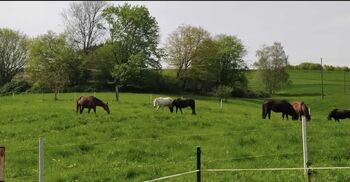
{"points": [[221, 103], [304, 135], [41, 160]]}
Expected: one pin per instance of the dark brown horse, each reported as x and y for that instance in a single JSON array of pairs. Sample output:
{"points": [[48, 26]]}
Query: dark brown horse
{"points": [[339, 114], [90, 102], [278, 106], [182, 103], [302, 110]]}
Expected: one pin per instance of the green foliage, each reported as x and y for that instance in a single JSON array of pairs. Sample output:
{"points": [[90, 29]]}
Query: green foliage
{"points": [[14, 87], [223, 92], [134, 37], [52, 63], [230, 65], [13, 54], [272, 67]]}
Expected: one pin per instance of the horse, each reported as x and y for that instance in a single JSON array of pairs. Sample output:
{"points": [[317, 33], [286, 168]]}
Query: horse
{"points": [[180, 103], [338, 114], [90, 102], [302, 110], [278, 106], [163, 102]]}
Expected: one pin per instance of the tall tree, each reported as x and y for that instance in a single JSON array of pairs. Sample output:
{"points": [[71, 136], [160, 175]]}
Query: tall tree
{"points": [[13, 54], [230, 65], [51, 61], [181, 46], [133, 44], [272, 67], [81, 21]]}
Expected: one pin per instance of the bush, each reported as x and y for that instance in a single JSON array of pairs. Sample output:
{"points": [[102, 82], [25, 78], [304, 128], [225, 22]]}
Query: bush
{"points": [[14, 87], [241, 92]]}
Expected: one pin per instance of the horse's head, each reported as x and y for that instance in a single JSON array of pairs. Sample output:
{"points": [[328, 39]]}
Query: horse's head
{"points": [[106, 108], [171, 108]]}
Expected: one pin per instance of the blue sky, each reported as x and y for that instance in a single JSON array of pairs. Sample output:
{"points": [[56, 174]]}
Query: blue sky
{"points": [[307, 30]]}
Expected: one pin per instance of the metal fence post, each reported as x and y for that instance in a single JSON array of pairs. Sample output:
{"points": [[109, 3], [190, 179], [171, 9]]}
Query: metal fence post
{"points": [[305, 156], [41, 160], [198, 164]]}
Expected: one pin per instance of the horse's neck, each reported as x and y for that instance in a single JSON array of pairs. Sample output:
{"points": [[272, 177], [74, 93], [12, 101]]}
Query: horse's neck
{"points": [[99, 103]]}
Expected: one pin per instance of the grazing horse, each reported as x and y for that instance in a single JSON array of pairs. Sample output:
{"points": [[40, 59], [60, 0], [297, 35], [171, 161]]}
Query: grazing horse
{"points": [[278, 106], [302, 110], [182, 103], [163, 102], [339, 114], [90, 102]]}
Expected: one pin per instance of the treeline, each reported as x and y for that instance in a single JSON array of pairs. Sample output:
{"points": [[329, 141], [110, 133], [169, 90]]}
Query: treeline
{"points": [[316, 66], [107, 46]]}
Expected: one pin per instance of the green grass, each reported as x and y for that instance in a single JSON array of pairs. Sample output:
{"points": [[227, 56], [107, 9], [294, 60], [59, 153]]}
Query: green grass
{"points": [[136, 143]]}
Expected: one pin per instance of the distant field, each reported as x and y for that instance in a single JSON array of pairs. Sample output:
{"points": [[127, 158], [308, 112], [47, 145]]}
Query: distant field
{"points": [[136, 143]]}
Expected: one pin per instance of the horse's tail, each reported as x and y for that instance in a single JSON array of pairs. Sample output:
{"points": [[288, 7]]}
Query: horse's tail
{"points": [[194, 107], [263, 110], [78, 105]]}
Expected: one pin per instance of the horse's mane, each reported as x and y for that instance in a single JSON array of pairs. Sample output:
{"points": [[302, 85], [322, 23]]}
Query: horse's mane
{"points": [[98, 100]]}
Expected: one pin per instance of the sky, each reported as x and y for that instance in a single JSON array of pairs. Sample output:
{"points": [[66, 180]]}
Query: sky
{"points": [[308, 31]]}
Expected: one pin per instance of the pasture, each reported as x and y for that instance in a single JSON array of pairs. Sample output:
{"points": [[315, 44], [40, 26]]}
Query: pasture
{"points": [[135, 142]]}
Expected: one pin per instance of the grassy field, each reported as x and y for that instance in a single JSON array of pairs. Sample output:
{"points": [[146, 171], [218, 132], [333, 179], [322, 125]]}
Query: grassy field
{"points": [[136, 143]]}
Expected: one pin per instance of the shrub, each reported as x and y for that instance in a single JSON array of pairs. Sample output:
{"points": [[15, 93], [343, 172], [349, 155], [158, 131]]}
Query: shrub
{"points": [[14, 87]]}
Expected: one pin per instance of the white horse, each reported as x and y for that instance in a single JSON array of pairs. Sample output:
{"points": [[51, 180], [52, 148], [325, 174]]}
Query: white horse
{"points": [[163, 102]]}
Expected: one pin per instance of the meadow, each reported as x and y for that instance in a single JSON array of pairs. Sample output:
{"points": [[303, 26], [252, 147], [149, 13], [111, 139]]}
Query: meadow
{"points": [[136, 143]]}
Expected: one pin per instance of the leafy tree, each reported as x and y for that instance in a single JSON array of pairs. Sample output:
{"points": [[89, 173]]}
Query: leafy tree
{"points": [[52, 62], [223, 92], [230, 65], [134, 38], [181, 46], [81, 21], [272, 67], [13, 54]]}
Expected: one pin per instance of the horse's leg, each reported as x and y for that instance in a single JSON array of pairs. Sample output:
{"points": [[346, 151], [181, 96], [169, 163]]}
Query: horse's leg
{"points": [[94, 110], [176, 109], [193, 110], [181, 110], [287, 116], [157, 107], [81, 109], [89, 110], [269, 113]]}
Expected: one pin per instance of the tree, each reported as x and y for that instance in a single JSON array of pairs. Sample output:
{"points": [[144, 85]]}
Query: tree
{"points": [[13, 54], [52, 62], [81, 23], [230, 65], [272, 67], [181, 46], [134, 38]]}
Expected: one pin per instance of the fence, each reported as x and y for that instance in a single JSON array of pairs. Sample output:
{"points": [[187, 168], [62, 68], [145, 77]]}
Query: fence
{"points": [[307, 169]]}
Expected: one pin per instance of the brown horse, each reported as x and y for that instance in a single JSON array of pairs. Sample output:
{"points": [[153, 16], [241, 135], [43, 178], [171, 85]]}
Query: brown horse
{"points": [[302, 110], [90, 102], [278, 106]]}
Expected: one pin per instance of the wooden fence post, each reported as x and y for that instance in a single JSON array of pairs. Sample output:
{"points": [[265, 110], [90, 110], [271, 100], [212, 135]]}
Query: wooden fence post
{"points": [[41, 160], [2, 163], [198, 164]]}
